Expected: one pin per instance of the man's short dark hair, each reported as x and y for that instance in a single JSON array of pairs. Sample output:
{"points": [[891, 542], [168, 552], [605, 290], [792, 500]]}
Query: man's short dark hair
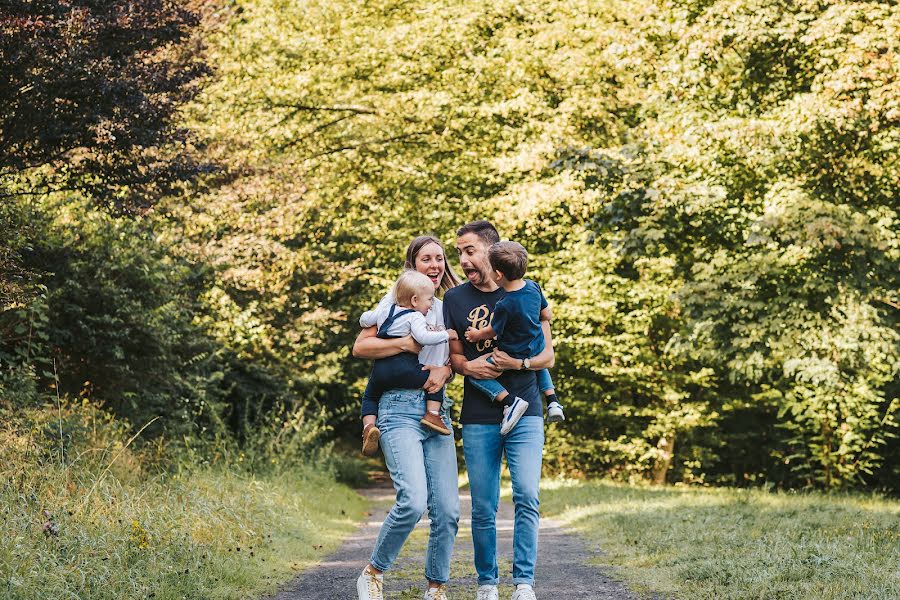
{"points": [[510, 258], [483, 229]]}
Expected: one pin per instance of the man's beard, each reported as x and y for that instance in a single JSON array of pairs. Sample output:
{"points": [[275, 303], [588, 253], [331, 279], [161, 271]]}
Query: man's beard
{"points": [[479, 277]]}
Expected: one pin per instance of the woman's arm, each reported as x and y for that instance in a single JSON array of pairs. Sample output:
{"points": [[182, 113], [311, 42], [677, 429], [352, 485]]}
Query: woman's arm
{"points": [[370, 347]]}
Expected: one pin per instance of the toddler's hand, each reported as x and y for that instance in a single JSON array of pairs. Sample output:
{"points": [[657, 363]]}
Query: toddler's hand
{"points": [[452, 335], [472, 334]]}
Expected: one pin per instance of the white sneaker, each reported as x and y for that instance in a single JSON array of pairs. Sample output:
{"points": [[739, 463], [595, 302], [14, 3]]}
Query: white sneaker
{"points": [[438, 593], [369, 586], [555, 413], [512, 414], [524, 592], [487, 592]]}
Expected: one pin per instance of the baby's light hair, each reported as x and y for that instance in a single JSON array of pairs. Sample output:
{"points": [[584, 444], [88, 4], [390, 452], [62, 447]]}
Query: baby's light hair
{"points": [[412, 283]]}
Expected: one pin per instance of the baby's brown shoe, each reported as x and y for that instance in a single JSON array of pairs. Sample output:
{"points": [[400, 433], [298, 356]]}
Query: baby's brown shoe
{"points": [[433, 421]]}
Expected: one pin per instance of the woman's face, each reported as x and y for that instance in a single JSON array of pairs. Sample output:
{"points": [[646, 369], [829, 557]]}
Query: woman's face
{"points": [[430, 262]]}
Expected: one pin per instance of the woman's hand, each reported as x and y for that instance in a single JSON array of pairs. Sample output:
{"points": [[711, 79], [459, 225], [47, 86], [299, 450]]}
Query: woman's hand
{"points": [[505, 361], [438, 376]]}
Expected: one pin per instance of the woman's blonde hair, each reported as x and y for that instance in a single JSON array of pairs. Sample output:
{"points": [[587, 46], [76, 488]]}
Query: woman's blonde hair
{"points": [[450, 279], [412, 283]]}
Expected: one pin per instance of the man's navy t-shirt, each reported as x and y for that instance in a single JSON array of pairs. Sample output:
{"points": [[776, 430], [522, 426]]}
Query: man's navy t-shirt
{"points": [[517, 321], [467, 306]]}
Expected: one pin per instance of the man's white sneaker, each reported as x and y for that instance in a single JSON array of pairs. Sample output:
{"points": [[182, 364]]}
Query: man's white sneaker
{"points": [[555, 413], [487, 592], [369, 586], [438, 593], [512, 414], [524, 592]]}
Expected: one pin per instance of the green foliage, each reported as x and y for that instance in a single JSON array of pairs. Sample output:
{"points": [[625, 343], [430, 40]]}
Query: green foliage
{"points": [[101, 521], [708, 190]]}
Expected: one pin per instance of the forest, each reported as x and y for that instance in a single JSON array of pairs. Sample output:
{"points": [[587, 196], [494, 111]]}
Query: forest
{"points": [[200, 199]]}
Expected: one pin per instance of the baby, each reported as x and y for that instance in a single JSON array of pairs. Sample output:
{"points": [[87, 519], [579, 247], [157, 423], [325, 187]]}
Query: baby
{"points": [[413, 297]]}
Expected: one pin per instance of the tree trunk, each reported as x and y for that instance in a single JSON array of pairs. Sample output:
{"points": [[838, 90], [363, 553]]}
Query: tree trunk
{"points": [[666, 447]]}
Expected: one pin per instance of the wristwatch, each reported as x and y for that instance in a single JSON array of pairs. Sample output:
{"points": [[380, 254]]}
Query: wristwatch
{"points": [[526, 364]]}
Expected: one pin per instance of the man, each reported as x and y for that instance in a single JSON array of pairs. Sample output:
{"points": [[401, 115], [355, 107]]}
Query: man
{"points": [[471, 305]]}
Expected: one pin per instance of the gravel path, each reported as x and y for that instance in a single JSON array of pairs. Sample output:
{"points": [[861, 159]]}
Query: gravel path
{"points": [[563, 572]]}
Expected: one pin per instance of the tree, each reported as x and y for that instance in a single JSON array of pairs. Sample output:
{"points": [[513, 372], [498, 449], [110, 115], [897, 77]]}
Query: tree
{"points": [[90, 90]]}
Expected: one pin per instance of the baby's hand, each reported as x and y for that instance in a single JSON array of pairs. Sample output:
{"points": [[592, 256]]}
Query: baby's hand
{"points": [[472, 334], [452, 335]]}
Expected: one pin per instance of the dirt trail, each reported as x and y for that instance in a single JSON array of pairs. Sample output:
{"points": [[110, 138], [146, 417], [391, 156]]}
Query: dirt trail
{"points": [[563, 572]]}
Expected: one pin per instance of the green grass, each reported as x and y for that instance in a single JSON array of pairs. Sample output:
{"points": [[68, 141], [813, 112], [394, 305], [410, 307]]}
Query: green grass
{"points": [[697, 543], [211, 533]]}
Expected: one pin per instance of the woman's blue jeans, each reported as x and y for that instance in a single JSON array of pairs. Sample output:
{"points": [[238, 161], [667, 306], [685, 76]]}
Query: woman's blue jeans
{"points": [[484, 447], [422, 464]]}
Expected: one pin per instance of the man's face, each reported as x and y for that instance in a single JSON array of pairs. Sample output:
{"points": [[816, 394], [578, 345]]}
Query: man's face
{"points": [[473, 259]]}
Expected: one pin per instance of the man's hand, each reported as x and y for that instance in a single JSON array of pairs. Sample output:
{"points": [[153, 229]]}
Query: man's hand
{"points": [[480, 368], [505, 361], [438, 376]]}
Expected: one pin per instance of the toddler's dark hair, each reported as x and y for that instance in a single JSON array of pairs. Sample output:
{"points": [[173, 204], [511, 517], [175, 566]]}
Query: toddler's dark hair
{"points": [[510, 258]]}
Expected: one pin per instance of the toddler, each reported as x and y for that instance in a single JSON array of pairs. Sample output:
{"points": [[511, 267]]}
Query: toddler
{"points": [[516, 324]]}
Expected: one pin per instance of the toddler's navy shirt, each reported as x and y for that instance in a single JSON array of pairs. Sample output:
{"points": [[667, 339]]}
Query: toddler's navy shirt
{"points": [[467, 306], [517, 321]]}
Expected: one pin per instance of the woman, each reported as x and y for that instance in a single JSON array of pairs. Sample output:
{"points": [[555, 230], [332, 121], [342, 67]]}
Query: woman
{"points": [[422, 462]]}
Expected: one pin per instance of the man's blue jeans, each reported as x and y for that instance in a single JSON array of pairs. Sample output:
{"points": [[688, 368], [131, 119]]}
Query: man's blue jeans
{"points": [[523, 446], [422, 463]]}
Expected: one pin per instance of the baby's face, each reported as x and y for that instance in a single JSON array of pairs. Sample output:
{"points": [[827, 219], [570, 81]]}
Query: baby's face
{"points": [[423, 302]]}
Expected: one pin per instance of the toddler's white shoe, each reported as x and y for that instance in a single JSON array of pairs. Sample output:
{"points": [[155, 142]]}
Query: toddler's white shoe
{"points": [[487, 592], [512, 414], [369, 586], [555, 413]]}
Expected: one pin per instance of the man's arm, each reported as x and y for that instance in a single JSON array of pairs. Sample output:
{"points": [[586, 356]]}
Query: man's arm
{"points": [[479, 368], [370, 347], [544, 360]]}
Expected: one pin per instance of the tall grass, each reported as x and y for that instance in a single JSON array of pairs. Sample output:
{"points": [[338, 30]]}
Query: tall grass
{"points": [[79, 524]]}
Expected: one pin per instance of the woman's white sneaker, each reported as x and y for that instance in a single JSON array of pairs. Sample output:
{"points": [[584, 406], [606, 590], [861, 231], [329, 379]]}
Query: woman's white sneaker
{"points": [[487, 592], [369, 586]]}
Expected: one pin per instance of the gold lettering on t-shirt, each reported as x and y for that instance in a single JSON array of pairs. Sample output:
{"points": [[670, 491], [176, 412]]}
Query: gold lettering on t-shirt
{"points": [[479, 318]]}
